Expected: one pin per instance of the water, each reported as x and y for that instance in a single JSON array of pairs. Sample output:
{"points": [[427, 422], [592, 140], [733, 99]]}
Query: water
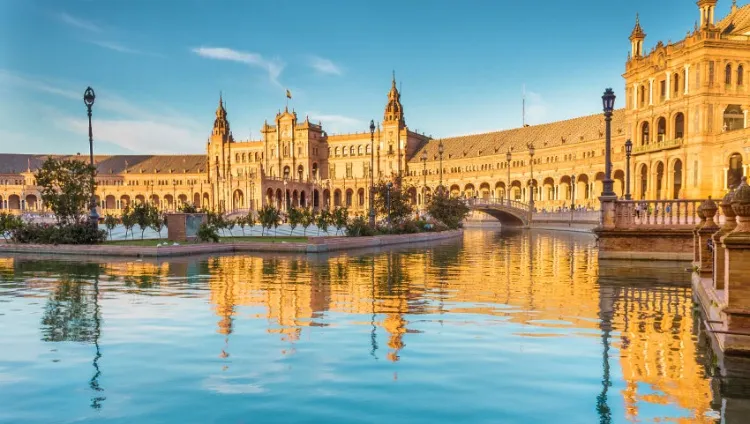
{"points": [[511, 328]]}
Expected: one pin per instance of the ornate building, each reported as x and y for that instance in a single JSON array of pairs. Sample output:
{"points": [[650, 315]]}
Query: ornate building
{"points": [[685, 110]]}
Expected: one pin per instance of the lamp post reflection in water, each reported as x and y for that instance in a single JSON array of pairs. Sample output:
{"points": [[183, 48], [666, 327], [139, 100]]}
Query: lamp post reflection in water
{"points": [[96, 401]]}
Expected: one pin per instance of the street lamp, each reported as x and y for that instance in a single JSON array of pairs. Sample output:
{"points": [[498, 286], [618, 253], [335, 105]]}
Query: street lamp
{"points": [[388, 199], [286, 205], [531, 153], [628, 151], [372, 173], [508, 157], [424, 173], [608, 103], [88, 100], [440, 153]]}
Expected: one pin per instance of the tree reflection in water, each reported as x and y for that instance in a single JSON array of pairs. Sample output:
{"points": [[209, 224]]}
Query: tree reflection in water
{"points": [[72, 313]]}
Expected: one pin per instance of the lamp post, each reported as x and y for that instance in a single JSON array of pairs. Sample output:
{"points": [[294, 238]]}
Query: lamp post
{"points": [[572, 195], [88, 100], [286, 206], [531, 153], [608, 103], [628, 151], [424, 173], [440, 153], [508, 157], [372, 173], [389, 186]]}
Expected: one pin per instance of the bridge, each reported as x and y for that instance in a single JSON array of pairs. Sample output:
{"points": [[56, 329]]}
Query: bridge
{"points": [[508, 212]]}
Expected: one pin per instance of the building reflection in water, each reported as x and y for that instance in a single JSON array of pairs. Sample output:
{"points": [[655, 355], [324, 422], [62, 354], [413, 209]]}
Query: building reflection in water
{"points": [[546, 283]]}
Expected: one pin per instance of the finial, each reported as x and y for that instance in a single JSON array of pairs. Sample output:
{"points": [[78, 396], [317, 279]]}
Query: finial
{"points": [[734, 6], [637, 18]]}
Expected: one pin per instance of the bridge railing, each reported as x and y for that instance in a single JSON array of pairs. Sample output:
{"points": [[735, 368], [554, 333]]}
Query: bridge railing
{"points": [[568, 215], [658, 213], [498, 202]]}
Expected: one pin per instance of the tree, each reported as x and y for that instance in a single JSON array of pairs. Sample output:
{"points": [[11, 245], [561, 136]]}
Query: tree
{"points": [[110, 222], [339, 218], [188, 208], [156, 219], [141, 216], [9, 223], [241, 221], [128, 220], [308, 217], [400, 208], [250, 221], [448, 210], [322, 220], [295, 218], [269, 217], [66, 186]]}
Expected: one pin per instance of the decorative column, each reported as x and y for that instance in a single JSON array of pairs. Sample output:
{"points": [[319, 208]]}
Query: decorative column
{"points": [[635, 96], [669, 80], [696, 245], [687, 78], [737, 277], [744, 113], [719, 251], [705, 267], [650, 91]]}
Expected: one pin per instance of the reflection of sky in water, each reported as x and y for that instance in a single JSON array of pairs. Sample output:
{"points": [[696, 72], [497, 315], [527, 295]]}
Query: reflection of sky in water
{"points": [[492, 329]]}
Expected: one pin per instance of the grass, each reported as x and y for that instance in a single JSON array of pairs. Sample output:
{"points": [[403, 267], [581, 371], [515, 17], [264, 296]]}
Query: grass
{"points": [[240, 239]]}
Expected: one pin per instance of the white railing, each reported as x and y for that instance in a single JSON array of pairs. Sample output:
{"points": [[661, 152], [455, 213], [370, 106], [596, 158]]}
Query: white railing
{"points": [[478, 203], [567, 216]]}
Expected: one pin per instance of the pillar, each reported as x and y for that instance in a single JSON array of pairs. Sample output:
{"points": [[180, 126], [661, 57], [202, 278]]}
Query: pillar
{"points": [[650, 91], [719, 251], [744, 123], [687, 80], [669, 79], [705, 232], [737, 276], [635, 96]]}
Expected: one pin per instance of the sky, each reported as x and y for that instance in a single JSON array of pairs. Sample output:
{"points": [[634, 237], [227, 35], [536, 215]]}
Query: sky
{"points": [[158, 66]]}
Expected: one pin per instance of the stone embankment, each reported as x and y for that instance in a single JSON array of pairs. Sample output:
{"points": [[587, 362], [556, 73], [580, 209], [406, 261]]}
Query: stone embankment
{"points": [[312, 246]]}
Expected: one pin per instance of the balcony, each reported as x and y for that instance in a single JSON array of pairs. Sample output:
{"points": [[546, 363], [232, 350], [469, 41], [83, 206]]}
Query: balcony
{"points": [[657, 146]]}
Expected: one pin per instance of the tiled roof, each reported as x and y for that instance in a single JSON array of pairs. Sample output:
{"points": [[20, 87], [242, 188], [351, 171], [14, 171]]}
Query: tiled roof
{"points": [[736, 23], [17, 163], [554, 134]]}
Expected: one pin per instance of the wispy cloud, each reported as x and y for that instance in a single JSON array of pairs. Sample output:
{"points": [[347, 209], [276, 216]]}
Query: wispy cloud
{"points": [[272, 66], [79, 23], [136, 126], [536, 108], [325, 66], [120, 48], [336, 123]]}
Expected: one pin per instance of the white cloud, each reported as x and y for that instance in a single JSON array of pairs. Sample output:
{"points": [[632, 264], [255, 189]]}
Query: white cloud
{"points": [[137, 136], [336, 123], [79, 23], [324, 66], [136, 126], [536, 108], [120, 48], [272, 66]]}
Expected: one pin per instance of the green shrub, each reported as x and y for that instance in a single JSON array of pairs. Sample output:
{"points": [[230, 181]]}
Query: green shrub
{"points": [[8, 224], [208, 232], [450, 211], [76, 233], [188, 208], [359, 227]]}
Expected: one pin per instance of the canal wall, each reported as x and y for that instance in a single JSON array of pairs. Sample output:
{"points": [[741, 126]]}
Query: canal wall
{"points": [[312, 246]]}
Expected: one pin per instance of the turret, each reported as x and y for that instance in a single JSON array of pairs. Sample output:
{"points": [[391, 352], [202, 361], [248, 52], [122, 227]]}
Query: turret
{"points": [[636, 39], [221, 130], [707, 9], [394, 111]]}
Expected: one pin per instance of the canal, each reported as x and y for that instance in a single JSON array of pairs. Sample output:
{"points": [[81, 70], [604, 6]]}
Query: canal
{"points": [[496, 327]]}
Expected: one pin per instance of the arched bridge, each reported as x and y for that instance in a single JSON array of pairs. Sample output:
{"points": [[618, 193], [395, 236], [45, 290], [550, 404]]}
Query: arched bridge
{"points": [[508, 212]]}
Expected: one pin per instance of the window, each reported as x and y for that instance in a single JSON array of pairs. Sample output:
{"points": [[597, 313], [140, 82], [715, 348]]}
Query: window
{"points": [[663, 89], [728, 74], [349, 173]]}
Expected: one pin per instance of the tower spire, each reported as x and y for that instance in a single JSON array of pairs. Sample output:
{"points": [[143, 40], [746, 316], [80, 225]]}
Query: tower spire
{"points": [[637, 37]]}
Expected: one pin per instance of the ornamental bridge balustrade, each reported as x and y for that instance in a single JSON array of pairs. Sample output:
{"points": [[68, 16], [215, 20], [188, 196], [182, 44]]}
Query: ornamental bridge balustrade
{"points": [[508, 212]]}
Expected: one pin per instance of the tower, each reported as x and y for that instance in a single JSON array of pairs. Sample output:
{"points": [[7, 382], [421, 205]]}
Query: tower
{"points": [[707, 9], [218, 158], [394, 111], [393, 146], [636, 39], [221, 132]]}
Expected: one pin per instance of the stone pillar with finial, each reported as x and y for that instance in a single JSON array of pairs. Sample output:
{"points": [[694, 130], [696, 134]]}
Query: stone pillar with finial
{"points": [[696, 244], [706, 260], [737, 275], [730, 224]]}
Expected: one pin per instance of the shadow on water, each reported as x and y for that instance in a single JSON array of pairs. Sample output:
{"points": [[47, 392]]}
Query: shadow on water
{"points": [[544, 284]]}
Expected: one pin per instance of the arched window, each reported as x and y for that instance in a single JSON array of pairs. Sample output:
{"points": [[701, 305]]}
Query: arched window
{"points": [[659, 180], [734, 173], [734, 118], [236, 157], [677, 179], [643, 94], [676, 84], [351, 151], [336, 152], [679, 125], [359, 150], [644, 133], [367, 149], [661, 129], [286, 172], [728, 74], [244, 157], [740, 75]]}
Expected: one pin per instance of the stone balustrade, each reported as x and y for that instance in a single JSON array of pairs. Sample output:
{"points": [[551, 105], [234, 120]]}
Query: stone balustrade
{"points": [[634, 214]]}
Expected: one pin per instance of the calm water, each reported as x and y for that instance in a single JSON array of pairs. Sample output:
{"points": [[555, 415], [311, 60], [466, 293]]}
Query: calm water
{"points": [[511, 328]]}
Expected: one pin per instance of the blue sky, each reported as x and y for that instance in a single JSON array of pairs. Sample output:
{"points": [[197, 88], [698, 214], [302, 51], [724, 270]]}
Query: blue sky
{"points": [[158, 65]]}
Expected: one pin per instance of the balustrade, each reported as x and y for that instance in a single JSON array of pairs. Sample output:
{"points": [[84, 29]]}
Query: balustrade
{"points": [[656, 146], [631, 214], [497, 202]]}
